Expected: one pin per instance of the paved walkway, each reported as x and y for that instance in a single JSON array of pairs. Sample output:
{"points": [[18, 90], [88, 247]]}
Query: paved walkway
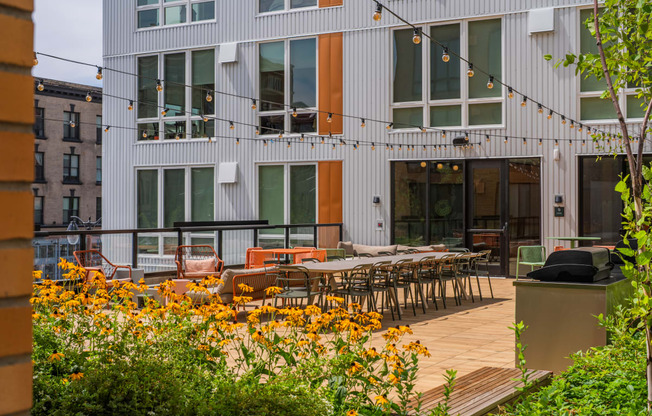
{"points": [[464, 338]]}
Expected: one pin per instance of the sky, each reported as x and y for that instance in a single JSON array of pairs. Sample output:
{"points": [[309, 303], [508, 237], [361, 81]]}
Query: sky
{"points": [[70, 29]]}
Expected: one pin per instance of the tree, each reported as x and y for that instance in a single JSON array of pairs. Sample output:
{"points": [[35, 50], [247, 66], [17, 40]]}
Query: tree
{"points": [[623, 33]]}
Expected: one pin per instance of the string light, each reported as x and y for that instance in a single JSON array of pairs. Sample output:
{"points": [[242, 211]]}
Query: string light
{"points": [[424, 148], [550, 115], [89, 97], [312, 145], [563, 120], [294, 112], [289, 144], [373, 146], [580, 127], [416, 39], [443, 134], [72, 124], [540, 109], [445, 56], [423, 129], [506, 139], [131, 105], [389, 126], [570, 142], [378, 14], [583, 142], [280, 135], [35, 59], [510, 92], [264, 142], [257, 131], [572, 124], [205, 119], [209, 97], [386, 146], [540, 142], [231, 126], [470, 72], [322, 140], [237, 141], [144, 134], [40, 85], [302, 137], [490, 83], [253, 104], [165, 111], [342, 142], [333, 146], [488, 138], [524, 102], [362, 123], [524, 140], [159, 87], [106, 130], [98, 76], [556, 142], [177, 137], [329, 119]]}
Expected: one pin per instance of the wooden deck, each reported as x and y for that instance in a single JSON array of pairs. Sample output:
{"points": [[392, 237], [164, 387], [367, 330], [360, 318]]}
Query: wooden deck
{"points": [[464, 338]]}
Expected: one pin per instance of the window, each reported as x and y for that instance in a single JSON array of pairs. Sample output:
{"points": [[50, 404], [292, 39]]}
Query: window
{"points": [[71, 168], [265, 6], [98, 129], [39, 167], [39, 122], [70, 126], [70, 208], [287, 194], [440, 94], [288, 79], [98, 170], [181, 194], [184, 111], [98, 208], [592, 107], [173, 12], [38, 209]]}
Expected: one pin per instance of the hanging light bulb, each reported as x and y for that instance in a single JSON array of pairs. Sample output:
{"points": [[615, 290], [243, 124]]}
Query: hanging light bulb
{"points": [[322, 140], [445, 56], [389, 126], [563, 120], [490, 83], [378, 14], [237, 140], [40, 85], [456, 168], [231, 126], [423, 129], [424, 148], [488, 138], [177, 137], [329, 119], [470, 72], [443, 134], [210, 140], [302, 137], [556, 142], [550, 115], [540, 109], [294, 112], [209, 97], [373, 146], [386, 146], [98, 76], [580, 127], [524, 102], [416, 39], [106, 130], [524, 140], [400, 147], [540, 142], [72, 124], [159, 86], [205, 119], [506, 139], [253, 104], [35, 59], [572, 124], [583, 142], [362, 123], [144, 134], [440, 166], [131, 105], [165, 111], [510, 92], [89, 97], [333, 146], [265, 143], [312, 145], [342, 142], [570, 142], [280, 135]]}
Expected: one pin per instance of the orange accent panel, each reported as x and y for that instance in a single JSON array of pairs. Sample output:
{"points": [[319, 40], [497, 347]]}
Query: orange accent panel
{"points": [[330, 201], [331, 83], [330, 3]]}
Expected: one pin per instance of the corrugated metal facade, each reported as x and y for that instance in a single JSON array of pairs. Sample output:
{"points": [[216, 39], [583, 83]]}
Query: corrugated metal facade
{"points": [[367, 81]]}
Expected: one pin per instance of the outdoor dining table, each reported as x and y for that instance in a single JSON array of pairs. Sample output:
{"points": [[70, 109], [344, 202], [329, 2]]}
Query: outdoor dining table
{"points": [[278, 252], [574, 239]]}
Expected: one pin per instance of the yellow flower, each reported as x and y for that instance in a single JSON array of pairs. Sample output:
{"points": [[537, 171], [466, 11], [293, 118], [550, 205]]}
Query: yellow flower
{"points": [[393, 379], [351, 413], [76, 376], [245, 288], [381, 400], [355, 367], [57, 356], [273, 290]]}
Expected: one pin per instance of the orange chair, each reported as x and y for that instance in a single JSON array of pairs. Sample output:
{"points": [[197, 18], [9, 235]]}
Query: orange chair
{"points": [[92, 261], [260, 259], [559, 248], [319, 255], [197, 262], [248, 256]]}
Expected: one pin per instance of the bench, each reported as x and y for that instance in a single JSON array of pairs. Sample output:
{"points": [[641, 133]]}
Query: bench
{"points": [[481, 391]]}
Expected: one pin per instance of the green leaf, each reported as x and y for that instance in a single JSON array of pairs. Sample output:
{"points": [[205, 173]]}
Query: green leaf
{"points": [[547, 57]]}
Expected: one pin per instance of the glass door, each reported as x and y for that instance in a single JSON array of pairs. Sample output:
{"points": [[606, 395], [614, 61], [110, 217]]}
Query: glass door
{"points": [[487, 215]]}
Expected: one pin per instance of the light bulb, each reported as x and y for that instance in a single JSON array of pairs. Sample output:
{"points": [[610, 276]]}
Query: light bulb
{"points": [[231, 126], [423, 164], [440, 166], [540, 110], [524, 140], [510, 92], [456, 168], [205, 119], [145, 134], [443, 134], [506, 140], [583, 142], [35, 59], [131, 105], [445, 56], [40, 86], [487, 137], [378, 14], [373, 146], [159, 87], [72, 124], [556, 142], [580, 127], [550, 115], [257, 131], [99, 73], [329, 119], [209, 97], [280, 135], [164, 112], [237, 141], [540, 142], [572, 124], [470, 72], [490, 83], [423, 129], [253, 104], [362, 123], [177, 137], [294, 112], [322, 140], [302, 137], [563, 120], [89, 97], [389, 126], [265, 143], [107, 129], [524, 102], [416, 39]]}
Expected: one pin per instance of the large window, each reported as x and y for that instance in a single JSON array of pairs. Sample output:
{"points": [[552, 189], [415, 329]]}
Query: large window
{"points": [[169, 195], [71, 168], [98, 129], [427, 202], [39, 122], [152, 13], [185, 107], [440, 93], [592, 107], [70, 208], [265, 6], [98, 208], [287, 194], [39, 167], [98, 170], [288, 82], [70, 126], [38, 209]]}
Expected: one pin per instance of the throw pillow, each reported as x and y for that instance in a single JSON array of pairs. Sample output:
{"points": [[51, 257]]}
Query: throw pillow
{"points": [[200, 266]]}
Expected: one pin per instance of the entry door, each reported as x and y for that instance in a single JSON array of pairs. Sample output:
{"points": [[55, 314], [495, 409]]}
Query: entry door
{"points": [[487, 213]]}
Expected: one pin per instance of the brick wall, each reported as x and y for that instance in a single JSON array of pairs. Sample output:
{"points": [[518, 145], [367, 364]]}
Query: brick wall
{"points": [[16, 205]]}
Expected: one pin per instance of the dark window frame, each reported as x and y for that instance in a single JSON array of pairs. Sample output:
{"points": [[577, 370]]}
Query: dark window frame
{"points": [[98, 129], [67, 213], [71, 134], [68, 176], [38, 214], [39, 123], [39, 171], [98, 170], [98, 207]]}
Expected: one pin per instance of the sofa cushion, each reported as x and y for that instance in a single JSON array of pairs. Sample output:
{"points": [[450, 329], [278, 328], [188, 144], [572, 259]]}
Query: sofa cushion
{"points": [[347, 246], [200, 266], [373, 250], [225, 289], [439, 247]]}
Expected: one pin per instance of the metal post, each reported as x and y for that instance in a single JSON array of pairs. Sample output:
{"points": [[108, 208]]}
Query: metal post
{"points": [[82, 241], [287, 237], [341, 233], [134, 250], [219, 243], [179, 237], [255, 238], [314, 237]]}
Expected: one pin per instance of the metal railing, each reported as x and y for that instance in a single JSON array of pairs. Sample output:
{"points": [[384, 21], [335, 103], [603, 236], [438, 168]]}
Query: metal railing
{"points": [[254, 226]]}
